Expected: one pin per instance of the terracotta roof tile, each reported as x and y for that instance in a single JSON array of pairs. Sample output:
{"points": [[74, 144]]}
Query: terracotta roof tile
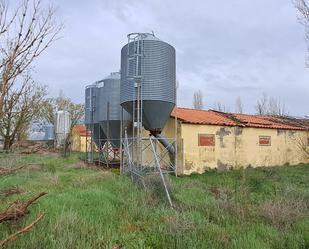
{"points": [[194, 116], [211, 117], [264, 122], [81, 129]]}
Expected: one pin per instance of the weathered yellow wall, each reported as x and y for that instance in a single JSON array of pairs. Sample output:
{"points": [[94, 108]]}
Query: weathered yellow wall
{"points": [[147, 156], [75, 141], [83, 143], [78, 142], [239, 147]]}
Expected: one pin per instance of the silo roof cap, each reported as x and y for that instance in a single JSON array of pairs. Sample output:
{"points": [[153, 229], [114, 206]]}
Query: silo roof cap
{"points": [[143, 36], [91, 86], [113, 76]]}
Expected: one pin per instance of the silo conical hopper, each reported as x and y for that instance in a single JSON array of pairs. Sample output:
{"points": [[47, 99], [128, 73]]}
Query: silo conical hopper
{"points": [[150, 61]]}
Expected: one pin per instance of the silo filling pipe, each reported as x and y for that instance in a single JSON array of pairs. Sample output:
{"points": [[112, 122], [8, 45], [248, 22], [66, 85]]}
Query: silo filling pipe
{"points": [[170, 148]]}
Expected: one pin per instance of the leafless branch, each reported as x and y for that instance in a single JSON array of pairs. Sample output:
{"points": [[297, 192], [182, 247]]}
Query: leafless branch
{"points": [[21, 106], [21, 231], [270, 106], [19, 209], [198, 100], [303, 145], [303, 8], [218, 106], [25, 36]]}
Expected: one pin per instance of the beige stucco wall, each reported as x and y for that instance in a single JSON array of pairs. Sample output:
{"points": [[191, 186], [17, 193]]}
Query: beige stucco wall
{"points": [[147, 155], [237, 147], [75, 141], [78, 142]]}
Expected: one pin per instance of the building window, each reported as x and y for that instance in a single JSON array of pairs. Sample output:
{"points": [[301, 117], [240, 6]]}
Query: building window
{"points": [[206, 140], [264, 140]]}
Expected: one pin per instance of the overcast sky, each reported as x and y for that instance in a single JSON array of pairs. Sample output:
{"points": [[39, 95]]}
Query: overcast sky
{"points": [[225, 48]]}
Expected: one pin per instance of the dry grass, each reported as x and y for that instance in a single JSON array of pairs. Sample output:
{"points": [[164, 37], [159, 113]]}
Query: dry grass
{"points": [[11, 191], [221, 193], [52, 178], [79, 165], [234, 208], [18, 209], [227, 199], [282, 213], [11, 161]]}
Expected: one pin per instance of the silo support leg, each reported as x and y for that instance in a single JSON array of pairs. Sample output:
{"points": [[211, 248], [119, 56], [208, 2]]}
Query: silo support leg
{"points": [[160, 171]]}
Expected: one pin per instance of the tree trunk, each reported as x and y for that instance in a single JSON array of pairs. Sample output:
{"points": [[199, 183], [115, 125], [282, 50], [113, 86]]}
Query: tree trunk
{"points": [[7, 143], [67, 146]]}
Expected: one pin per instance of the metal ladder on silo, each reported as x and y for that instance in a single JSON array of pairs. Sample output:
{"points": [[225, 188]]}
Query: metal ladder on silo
{"points": [[137, 111]]}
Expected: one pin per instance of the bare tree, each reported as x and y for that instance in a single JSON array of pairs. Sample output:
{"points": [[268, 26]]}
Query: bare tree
{"points": [[20, 107], [303, 145], [303, 8], [218, 106], [50, 107], [198, 100], [276, 107], [270, 106], [238, 105], [261, 105], [24, 36]]}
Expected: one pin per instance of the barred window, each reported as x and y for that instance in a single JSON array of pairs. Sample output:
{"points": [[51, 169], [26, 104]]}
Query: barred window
{"points": [[206, 140], [265, 140]]}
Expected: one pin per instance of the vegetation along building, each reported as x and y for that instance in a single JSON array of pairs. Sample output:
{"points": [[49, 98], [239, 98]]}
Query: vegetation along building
{"points": [[212, 139]]}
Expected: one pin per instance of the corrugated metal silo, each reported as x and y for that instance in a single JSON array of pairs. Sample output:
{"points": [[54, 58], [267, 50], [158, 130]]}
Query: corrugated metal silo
{"points": [[49, 132], [62, 126], [109, 113], [90, 93], [150, 61], [92, 107], [99, 95], [63, 122]]}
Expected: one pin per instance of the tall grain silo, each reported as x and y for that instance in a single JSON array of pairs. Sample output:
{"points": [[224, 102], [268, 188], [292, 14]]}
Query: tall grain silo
{"points": [[148, 93], [62, 126], [109, 113], [148, 63]]}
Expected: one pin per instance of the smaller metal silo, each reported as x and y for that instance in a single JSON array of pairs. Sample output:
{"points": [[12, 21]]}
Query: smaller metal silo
{"points": [[49, 132], [110, 110], [90, 96], [92, 108], [62, 126]]}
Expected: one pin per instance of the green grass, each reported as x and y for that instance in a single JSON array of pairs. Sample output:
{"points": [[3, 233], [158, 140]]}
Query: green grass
{"points": [[88, 208]]}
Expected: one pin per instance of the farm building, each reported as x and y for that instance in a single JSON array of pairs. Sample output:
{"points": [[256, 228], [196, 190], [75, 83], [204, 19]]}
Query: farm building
{"points": [[79, 138], [212, 139]]}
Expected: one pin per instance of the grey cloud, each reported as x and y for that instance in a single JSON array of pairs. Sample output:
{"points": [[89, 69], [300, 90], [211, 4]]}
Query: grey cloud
{"points": [[226, 48]]}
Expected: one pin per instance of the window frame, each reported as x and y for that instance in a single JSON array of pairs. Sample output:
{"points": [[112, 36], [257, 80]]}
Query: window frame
{"points": [[207, 135], [265, 137]]}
